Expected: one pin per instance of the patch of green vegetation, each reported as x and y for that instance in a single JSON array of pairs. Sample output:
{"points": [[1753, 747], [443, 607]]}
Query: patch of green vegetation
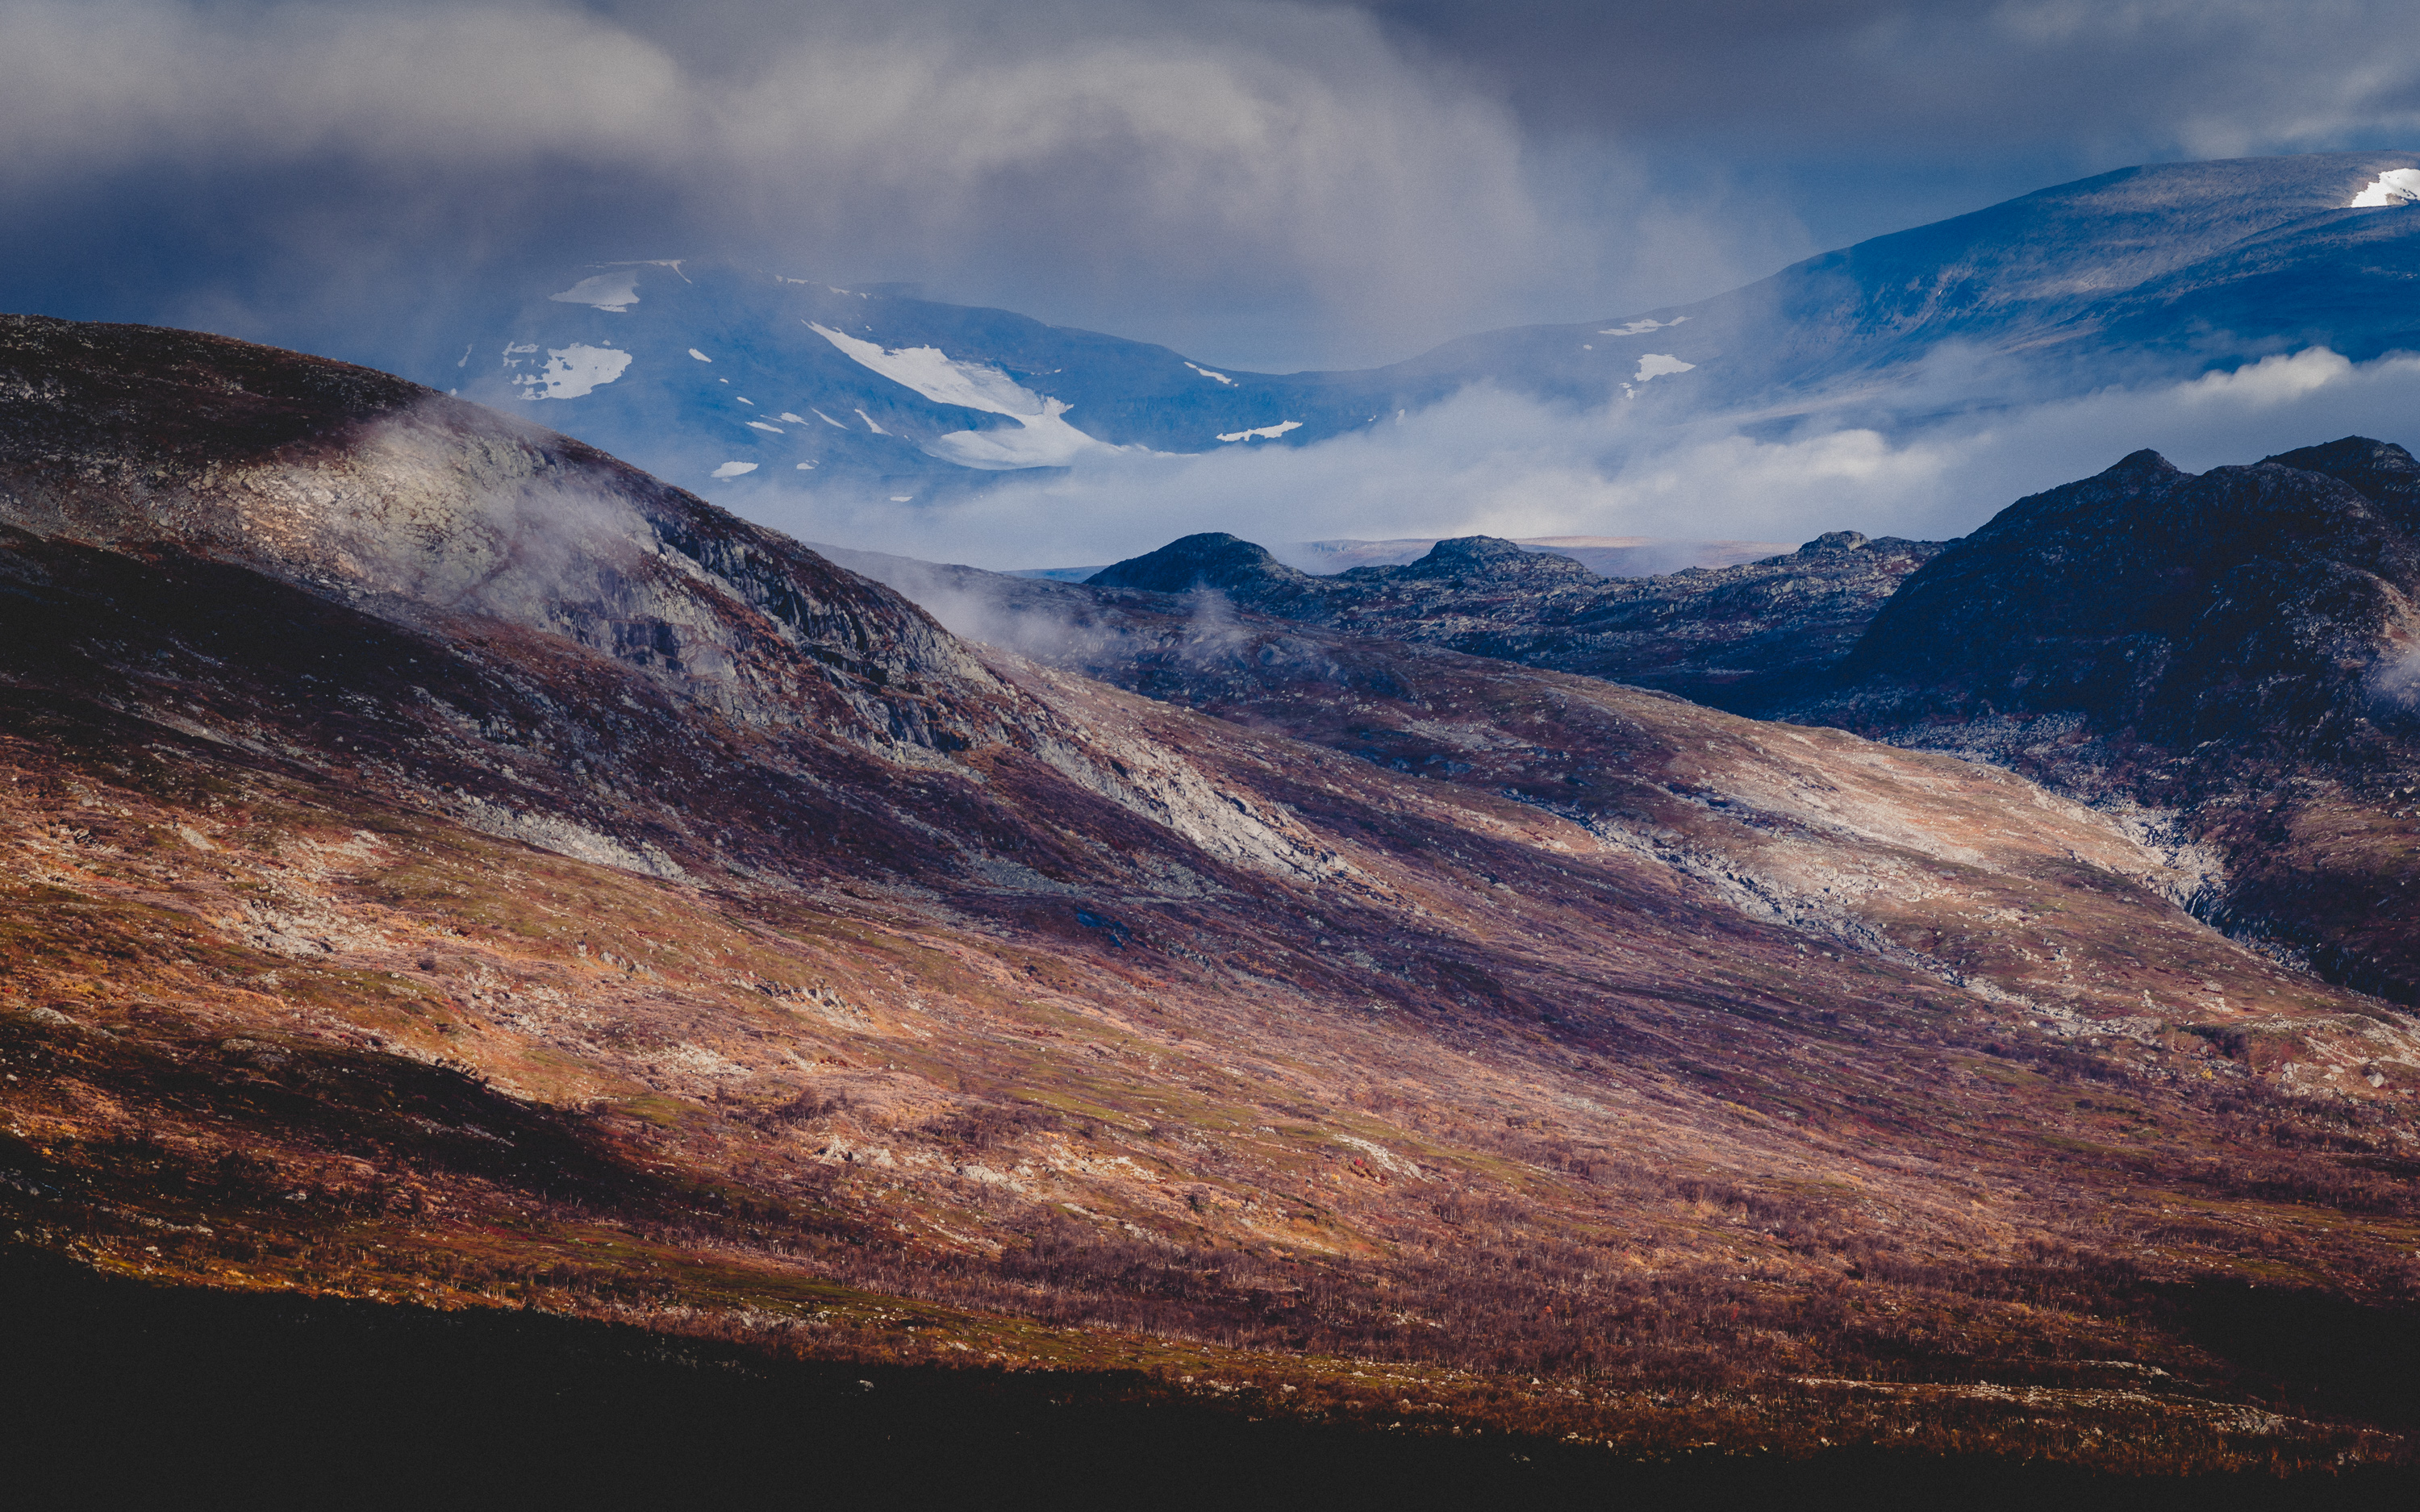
{"points": [[661, 1109]]}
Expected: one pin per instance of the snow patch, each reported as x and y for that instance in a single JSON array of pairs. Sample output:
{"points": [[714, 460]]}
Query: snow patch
{"points": [[2396, 186], [870, 424], [758, 425], [1640, 327], [699, 355], [1657, 365], [825, 419], [1206, 373], [806, 467], [794, 420], [571, 372], [616, 292], [1042, 439], [732, 470], [1267, 433]]}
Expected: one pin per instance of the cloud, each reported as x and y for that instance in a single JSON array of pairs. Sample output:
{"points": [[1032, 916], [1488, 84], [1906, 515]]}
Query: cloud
{"points": [[1234, 154], [1488, 462], [1259, 183], [1914, 78]]}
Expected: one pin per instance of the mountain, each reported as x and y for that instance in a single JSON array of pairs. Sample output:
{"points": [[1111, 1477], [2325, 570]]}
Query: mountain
{"points": [[2233, 646], [2148, 273], [445, 868], [2224, 657], [738, 379], [1744, 638], [709, 374]]}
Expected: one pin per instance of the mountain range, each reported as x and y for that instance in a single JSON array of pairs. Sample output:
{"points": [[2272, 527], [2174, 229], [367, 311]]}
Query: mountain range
{"points": [[448, 868], [737, 379]]}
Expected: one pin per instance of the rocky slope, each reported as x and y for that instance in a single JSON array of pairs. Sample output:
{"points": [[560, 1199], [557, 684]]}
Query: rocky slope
{"points": [[1326, 1025]]}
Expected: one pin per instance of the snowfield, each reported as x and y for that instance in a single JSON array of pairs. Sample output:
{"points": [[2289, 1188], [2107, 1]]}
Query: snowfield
{"points": [[616, 292], [2396, 186], [571, 372], [1267, 433], [1042, 439]]}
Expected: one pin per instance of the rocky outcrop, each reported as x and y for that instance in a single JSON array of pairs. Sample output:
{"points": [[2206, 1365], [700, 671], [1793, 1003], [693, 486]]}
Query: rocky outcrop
{"points": [[1210, 559]]}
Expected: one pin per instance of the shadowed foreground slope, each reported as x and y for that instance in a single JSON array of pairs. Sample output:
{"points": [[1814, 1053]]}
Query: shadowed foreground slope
{"points": [[650, 920]]}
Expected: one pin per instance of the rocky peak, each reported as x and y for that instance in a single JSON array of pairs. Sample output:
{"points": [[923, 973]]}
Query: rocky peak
{"points": [[2381, 471], [2246, 604], [1834, 541], [1213, 559], [1493, 557], [2145, 463]]}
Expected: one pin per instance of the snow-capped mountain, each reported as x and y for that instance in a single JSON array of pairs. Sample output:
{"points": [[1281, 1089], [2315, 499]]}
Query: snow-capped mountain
{"points": [[2145, 272], [708, 373], [714, 371]]}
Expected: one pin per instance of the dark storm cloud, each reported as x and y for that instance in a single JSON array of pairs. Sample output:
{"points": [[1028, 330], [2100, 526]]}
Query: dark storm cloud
{"points": [[2209, 77], [1102, 160], [1259, 183]]}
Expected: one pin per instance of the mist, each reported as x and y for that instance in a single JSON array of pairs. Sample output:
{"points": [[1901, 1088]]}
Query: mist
{"points": [[1488, 462]]}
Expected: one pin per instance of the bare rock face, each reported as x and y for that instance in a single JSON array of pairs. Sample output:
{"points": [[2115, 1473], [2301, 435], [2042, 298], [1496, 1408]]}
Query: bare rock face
{"points": [[436, 513]]}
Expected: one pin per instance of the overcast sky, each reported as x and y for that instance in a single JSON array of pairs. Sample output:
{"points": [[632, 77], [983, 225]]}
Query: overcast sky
{"points": [[1264, 185]]}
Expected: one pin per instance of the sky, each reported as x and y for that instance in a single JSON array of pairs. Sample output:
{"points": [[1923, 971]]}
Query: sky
{"points": [[1269, 186]]}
